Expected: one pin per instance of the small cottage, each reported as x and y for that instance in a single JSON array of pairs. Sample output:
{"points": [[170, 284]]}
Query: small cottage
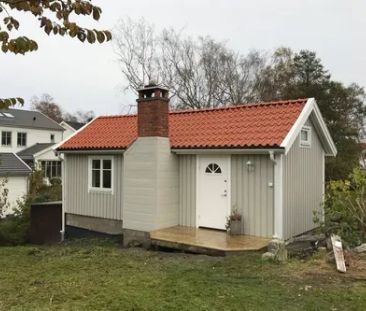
{"points": [[134, 174]]}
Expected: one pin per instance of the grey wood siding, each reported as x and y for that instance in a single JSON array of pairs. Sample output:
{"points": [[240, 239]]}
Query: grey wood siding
{"points": [[302, 185], [78, 200], [252, 193], [187, 190]]}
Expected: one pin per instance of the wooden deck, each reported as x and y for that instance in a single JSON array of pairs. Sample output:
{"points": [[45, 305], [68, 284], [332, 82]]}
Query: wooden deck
{"points": [[208, 241]]}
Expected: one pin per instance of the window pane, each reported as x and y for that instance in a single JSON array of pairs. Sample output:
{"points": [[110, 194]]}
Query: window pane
{"points": [[96, 164], [54, 172], [6, 138], [304, 135], [96, 178], [107, 180], [58, 169], [107, 164]]}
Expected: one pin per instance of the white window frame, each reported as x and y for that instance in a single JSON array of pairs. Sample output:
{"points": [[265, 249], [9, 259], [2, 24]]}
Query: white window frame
{"points": [[100, 189], [305, 143], [26, 139], [11, 138]]}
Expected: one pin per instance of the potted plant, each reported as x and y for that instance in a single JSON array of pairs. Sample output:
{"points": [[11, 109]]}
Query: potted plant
{"points": [[233, 222]]}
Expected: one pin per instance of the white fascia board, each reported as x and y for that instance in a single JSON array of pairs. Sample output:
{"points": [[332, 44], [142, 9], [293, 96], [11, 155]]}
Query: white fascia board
{"points": [[21, 160], [299, 123], [227, 151], [72, 135], [310, 106], [64, 124], [93, 151]]}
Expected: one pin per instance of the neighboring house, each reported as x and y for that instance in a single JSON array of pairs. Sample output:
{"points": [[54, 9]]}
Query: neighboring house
{"points": [[42, 156], [15, 172], [31, 135], [71, 127], [133, 174]]}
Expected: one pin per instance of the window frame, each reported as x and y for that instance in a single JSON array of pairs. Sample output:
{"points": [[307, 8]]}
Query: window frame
{"points": [[26, 138], [49, 164], [11, 138], [90, 171], [305, 143]]}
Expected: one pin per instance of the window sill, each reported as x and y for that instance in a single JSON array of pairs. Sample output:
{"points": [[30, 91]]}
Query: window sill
{"points": [[100, 190]]}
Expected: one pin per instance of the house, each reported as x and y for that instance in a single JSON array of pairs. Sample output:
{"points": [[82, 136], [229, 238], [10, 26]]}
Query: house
{"points": [[26, 139], [71, 127], [14, 177], [135, 174]]}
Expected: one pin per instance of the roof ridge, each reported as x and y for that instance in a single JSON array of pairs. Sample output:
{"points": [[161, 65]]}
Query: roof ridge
{"points": [[242, 105], [231, 106]]}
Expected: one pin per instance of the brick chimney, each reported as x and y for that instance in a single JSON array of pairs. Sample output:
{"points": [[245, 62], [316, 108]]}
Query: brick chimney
{"points": [[153, 111]]}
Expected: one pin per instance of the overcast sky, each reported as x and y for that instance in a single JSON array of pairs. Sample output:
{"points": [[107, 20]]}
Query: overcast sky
{"points": [[82, 76]]}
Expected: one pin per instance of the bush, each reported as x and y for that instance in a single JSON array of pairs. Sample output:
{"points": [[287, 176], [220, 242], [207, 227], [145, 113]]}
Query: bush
{"points": [[14, 229], [345, 209]]}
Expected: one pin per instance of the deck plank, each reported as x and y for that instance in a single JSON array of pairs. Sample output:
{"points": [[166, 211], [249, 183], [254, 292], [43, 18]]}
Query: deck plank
{"points": [[209, 239]]}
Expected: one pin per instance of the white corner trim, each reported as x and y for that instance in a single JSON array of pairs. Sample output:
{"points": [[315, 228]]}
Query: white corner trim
{"points": [[72, 135], [310, 106], [198, 159], [278, 197]]}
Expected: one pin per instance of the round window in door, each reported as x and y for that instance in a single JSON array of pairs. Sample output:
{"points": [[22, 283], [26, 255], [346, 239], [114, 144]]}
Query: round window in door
{"points": [[213, 168]]}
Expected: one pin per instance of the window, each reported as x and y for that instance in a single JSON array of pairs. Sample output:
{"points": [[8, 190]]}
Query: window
{"points": [[52, 138], [305, 137], [22, 139], [213, 168], [100, 173], [51, 169], [6, 138]]}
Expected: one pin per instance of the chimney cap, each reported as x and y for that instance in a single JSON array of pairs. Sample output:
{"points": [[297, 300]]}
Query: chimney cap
{"points": [[152, 86]]}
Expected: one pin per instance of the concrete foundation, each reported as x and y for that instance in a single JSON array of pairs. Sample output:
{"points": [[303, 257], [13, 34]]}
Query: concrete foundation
{"points": [[136, 238], [102, 225]]}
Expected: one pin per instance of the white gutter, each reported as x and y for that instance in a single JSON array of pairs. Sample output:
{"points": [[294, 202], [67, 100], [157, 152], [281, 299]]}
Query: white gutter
{"points": [[228, 151]]}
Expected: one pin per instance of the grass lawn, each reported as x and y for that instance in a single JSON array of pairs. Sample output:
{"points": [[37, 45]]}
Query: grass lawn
{"points": [[99, 275]]}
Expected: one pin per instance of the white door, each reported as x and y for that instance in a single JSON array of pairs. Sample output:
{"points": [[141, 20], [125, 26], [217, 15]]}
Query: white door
{"points": [[213, 204]]}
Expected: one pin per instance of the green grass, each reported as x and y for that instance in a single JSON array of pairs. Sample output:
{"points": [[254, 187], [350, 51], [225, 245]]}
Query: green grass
{"points": [[99, 275]]}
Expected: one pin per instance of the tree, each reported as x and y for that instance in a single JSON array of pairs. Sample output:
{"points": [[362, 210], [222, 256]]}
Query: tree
{"points": [[200, 73], [302, 75], [79, 116], [54, 17], [46, 104]]}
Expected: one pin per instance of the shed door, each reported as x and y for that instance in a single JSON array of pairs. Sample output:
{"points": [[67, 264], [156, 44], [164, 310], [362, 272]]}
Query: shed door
{"points": [[213, 204]]}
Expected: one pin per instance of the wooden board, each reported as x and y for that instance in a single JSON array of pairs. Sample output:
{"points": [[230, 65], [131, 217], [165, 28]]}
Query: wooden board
{"points": [[338, 253]]}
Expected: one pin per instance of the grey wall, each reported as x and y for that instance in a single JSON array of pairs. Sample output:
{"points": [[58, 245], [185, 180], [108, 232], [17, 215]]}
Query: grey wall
{"points": [[187, 190], [303, 185], [150, 198], [78, 200], [252, 194]]}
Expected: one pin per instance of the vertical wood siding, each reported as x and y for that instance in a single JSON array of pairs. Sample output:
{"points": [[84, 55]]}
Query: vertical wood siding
{"points": [[252, 194], [187, 190], [303, 185], [97, 204]]}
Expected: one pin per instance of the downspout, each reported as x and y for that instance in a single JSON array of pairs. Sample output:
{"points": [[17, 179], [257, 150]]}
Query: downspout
{"points": [[271, 156], [62, 159]]}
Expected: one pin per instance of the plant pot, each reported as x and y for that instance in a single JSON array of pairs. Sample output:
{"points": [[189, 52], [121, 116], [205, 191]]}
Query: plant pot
{"points": [[235, 227]]}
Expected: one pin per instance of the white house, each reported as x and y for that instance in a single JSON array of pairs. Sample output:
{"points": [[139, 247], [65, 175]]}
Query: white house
{"points": [[28, 137], [135, 174]]}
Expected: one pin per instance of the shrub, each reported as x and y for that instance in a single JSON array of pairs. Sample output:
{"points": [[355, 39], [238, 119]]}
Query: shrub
{"points": [[345, 208]]}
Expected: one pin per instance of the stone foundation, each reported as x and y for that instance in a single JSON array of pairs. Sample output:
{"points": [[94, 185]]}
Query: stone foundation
{"points": [[133, 238], [101, 225]]}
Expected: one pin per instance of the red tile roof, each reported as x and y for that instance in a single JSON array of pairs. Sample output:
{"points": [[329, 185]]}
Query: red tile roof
{"points": [[244, 126]]}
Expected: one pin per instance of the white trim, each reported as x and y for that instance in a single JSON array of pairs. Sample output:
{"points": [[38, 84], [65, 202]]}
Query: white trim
{"points": [[198, 161], [92, 151], [278, 197], [22, 161], [101, 189], [305, 143], [310, 106], [64, 201], [226, 151], [72, 135], [65, 124]]}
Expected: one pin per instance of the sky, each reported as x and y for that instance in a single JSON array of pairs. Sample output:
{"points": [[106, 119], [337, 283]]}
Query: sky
{"points": [[88, 77]]}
